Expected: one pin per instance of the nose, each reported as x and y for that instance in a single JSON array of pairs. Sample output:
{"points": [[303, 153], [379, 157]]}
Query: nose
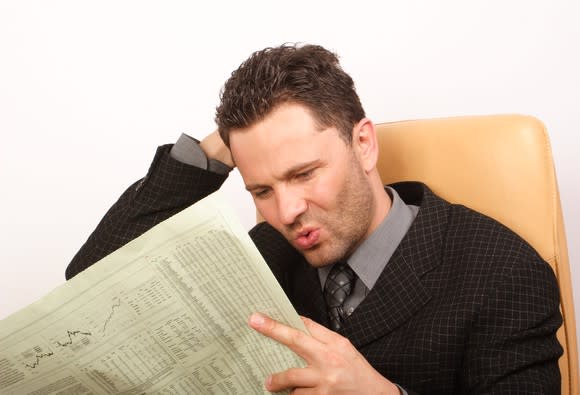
{"points": [[290, 205]]}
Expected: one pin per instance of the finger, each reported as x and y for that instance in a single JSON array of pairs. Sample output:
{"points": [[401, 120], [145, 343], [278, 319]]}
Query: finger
{"points": [[331, 341], [301, 343], [292, 378], [320, 332]]}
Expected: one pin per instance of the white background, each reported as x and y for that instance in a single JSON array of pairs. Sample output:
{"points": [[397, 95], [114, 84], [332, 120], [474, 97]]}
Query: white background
{"points": [[88, 90]]}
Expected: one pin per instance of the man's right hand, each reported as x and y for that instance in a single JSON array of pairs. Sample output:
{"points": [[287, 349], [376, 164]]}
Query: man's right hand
{"points": [[214, 148]]}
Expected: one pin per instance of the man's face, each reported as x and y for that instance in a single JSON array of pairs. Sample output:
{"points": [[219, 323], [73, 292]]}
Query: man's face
{"points": [[306, 182]]}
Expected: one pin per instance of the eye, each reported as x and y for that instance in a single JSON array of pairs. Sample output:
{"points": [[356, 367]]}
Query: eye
{"points": [[261, 193], [305, 175]]}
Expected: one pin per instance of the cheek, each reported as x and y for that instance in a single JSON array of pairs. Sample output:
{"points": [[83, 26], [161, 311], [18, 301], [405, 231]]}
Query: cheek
{"points": [[324, 192]]}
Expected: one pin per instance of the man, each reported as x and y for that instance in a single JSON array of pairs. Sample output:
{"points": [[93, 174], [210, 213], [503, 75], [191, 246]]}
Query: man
{"points": [[435, 297]]}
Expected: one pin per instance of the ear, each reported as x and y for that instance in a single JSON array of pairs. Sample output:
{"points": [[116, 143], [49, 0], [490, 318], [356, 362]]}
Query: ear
{"points": [[365, 144]]}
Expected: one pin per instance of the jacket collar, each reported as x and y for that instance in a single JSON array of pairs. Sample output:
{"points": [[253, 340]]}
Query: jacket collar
{"points": [[399, 292]]}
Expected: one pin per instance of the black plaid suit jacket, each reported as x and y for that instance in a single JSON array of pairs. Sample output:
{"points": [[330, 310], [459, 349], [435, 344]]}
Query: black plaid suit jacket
{"points": [[464, 306]]}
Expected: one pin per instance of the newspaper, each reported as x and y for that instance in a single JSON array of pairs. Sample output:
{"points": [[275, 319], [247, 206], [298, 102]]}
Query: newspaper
{"points": [[165, 314]]}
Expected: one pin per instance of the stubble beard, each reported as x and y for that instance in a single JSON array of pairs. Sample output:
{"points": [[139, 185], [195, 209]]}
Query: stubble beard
{"points": [[347, 226]]}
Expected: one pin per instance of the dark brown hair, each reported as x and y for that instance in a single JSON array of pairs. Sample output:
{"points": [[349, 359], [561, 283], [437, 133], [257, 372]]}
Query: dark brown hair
{"points": [[309, 75]]}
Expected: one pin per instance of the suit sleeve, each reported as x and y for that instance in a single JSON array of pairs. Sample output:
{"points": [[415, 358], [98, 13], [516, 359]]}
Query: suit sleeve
{"points": [[513, 346], [169, 187]]}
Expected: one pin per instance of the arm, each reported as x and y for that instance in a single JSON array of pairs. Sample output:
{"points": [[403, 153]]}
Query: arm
{"points": [[513, 345], [169, 186]]}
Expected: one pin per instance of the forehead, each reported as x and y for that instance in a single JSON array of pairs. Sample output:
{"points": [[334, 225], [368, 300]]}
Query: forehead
{"points": [[287, 136]]}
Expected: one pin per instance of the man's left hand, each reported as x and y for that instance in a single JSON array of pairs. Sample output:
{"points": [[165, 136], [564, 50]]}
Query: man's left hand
{"points": [[334, 366]]}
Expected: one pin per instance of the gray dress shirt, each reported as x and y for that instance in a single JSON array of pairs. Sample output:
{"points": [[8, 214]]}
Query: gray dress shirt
{"points": [[371, 257]]}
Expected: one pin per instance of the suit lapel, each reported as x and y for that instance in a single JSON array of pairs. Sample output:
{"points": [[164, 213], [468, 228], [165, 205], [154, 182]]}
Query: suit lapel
{"points": [[396, 297], [399, 293]]}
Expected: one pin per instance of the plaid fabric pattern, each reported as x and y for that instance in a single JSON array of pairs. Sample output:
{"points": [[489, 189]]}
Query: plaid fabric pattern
{"points": [[464, 306]]}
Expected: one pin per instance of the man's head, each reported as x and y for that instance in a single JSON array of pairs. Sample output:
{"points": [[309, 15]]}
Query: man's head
{"points": [[298, 135], [308, 75]]}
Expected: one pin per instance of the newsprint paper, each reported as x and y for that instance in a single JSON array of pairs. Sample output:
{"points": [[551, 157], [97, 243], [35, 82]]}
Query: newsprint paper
{"points": [[165, 314]]}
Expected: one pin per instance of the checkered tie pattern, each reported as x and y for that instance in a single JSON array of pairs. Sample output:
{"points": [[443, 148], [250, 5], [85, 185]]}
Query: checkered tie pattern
{"points": [[337, 288]]}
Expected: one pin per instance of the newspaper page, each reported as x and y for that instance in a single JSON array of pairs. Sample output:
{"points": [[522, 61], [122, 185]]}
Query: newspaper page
{"points": [[165, 314]]}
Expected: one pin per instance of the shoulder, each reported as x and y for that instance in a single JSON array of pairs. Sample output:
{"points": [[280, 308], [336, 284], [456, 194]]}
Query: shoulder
{"points": [[490, 253], [472, 246], [475, 235], [464, 232]]}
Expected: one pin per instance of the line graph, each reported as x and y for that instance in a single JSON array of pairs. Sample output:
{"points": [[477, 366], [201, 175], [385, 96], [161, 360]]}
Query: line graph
{"points": [[115, 306], [38, 358], [70, 335]]}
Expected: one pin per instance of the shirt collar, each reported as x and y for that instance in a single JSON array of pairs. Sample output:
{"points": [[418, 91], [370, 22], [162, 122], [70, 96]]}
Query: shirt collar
{"points": [[371, 257]]}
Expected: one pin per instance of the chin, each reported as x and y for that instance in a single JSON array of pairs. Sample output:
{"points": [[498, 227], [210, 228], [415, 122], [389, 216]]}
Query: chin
{"points": [[317, 258], [319, 264]]}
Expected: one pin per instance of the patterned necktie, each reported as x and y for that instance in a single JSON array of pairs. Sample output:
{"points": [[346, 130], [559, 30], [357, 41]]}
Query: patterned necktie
{"points": [[338, 286]]}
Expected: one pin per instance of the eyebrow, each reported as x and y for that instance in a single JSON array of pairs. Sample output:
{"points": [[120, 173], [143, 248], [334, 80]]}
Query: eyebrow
{"points": [[287, 174]]}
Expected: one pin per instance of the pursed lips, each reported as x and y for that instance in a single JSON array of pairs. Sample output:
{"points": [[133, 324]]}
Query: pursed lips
{"points": [[307, 238]]}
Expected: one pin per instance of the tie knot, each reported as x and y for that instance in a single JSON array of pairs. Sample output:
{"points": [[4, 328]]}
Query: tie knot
{"points": [[338, 284]]}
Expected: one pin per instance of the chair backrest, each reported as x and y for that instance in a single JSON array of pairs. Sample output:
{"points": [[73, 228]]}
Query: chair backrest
{"points": [[499, 165]]}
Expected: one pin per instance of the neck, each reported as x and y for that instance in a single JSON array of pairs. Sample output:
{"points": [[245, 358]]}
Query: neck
{"points": [[382, 201]]}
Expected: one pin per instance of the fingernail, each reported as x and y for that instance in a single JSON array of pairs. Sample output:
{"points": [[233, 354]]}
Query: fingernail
{"points": [[268, 382], [257, 319]]}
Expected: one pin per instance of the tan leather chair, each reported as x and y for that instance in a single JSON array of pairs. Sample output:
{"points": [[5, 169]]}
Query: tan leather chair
{"points": [[499, 165]]}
